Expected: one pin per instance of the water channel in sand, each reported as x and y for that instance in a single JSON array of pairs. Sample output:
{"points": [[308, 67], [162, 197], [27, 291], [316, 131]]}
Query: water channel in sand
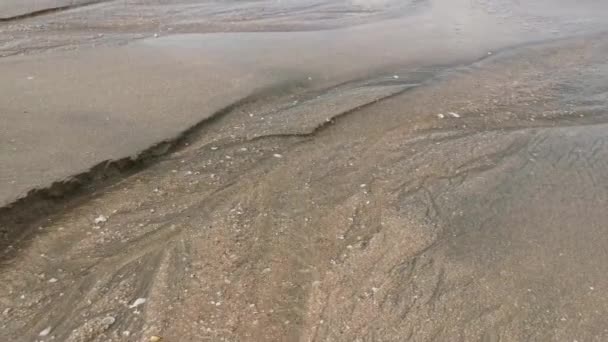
{"points": [[388, 181]]}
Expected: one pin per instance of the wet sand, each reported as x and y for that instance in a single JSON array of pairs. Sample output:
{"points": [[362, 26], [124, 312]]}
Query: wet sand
{"points": [[441, 198]]}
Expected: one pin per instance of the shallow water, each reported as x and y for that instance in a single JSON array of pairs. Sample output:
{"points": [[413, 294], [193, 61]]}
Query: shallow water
{"points": [[121, 99], [399, 183]]}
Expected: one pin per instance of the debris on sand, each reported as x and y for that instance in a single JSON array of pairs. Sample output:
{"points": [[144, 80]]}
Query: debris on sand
{"points": [[53, 280], [137, 302], [155, 338], [100, 219], [276, 155], [454, 115], [441, 116], [45, 332]]}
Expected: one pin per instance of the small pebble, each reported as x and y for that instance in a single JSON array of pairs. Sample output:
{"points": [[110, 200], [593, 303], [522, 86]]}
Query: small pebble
{"points": [[45, 332], [53, 280], [276, 155], [454, 115], [109, 320], [441, 116], [155, 338], [137, 302], [100, 219]]}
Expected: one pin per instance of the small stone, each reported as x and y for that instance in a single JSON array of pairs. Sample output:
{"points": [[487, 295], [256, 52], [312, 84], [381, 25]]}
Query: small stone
{"points": [[156, 35], [100, 219], [266, 270], [126, 333], [189, 173], [137, 302], [441, 116], [362, 185], [45, 332], [214, 148], [6, 311], [53, 280], [30, 78], [454, 115], [155, 338], [276, 155], [396, 77], [109, 320]]}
